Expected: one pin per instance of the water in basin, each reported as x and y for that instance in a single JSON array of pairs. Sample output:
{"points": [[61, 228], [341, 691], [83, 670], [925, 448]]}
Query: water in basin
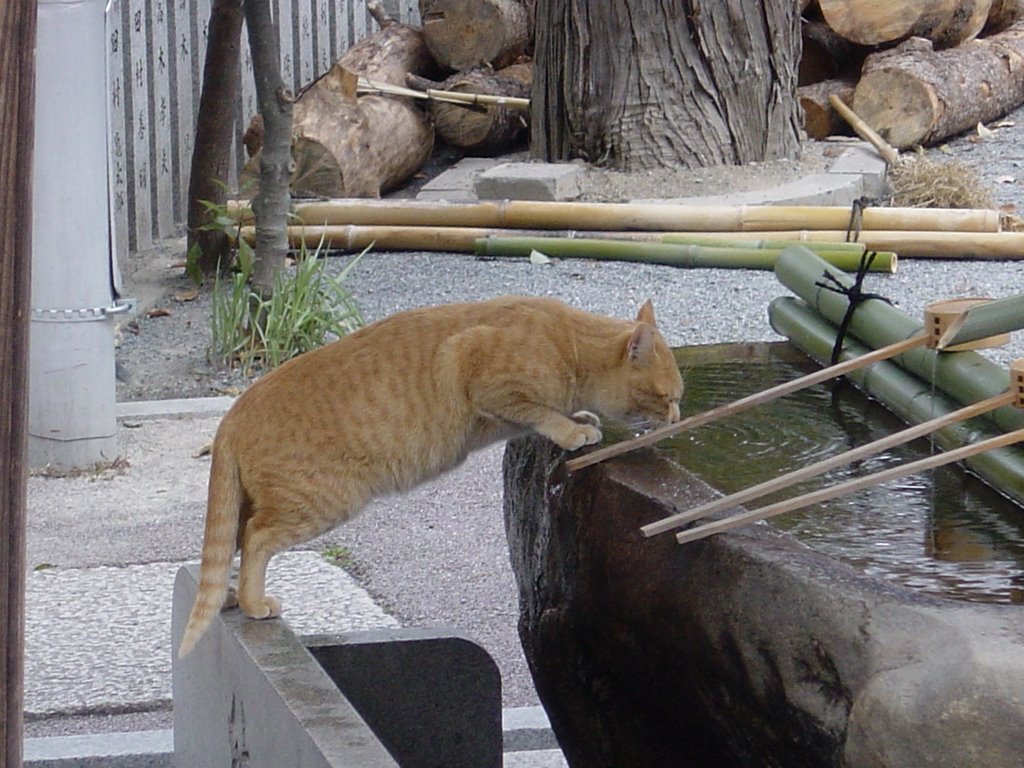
{"points": [[944, 532]]}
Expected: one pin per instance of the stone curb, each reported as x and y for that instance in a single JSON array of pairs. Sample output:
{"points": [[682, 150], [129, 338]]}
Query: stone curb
{"points": [[527, 737]]}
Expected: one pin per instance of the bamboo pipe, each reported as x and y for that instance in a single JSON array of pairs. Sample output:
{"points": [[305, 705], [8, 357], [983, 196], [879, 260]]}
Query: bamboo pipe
{"points": [[723, 240], [671, 254], [857, 484], [910, 397], [745, 403], [667, 217], [983, 321], [426, 236], [833, 462], [965, 376]]}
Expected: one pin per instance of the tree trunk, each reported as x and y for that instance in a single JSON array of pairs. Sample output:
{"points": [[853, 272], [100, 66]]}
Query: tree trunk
{"points": [[272, 202], [913, 95], [463, 34], [820, 118], [477, 130], [17, 83], [869, 22], [211, 154], [653, 84]]}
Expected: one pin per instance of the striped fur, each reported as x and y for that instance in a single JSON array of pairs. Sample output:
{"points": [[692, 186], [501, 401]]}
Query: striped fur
{"points": [[401, 401]]}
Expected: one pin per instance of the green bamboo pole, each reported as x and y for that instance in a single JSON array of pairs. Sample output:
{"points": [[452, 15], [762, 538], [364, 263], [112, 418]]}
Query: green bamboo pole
{"points": [[967, 377], [727, 241], [984, 320], [908, 396], [664, 253]]}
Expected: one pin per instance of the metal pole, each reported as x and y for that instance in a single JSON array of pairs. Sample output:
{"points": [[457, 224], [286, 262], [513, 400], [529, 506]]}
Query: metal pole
{"points": [[71, 371], [17, 67]]}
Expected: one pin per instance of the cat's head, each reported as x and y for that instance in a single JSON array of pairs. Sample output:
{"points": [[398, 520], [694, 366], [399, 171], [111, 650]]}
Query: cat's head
{"points": [[647, 386]]}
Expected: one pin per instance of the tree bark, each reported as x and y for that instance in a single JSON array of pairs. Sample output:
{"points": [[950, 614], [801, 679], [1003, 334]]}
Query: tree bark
{"points": [[272, 202], [17, 83], [649, 84], [869, 22], [463, 34], [215, 126], [912, 95], [480, 130]]}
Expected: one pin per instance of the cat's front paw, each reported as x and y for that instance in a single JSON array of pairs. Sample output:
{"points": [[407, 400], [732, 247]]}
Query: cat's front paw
{"points": [[581, 435], [586, 417]]}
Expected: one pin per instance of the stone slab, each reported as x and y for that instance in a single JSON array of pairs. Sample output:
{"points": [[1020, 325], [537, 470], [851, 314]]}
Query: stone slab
{"points": [[530, 181], [457, 183], [251, 694]]}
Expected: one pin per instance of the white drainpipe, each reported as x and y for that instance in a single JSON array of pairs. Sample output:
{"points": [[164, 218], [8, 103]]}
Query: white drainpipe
{"points": [[71, 362]]}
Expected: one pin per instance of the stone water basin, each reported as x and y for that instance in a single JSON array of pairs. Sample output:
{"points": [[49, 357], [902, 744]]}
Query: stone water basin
{"points": [[754, 648]]}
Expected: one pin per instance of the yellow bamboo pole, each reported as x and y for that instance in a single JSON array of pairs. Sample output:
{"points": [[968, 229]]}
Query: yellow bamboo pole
{"points": [[820, 467], [745, 403], [665, 217], [850, 486], [425, 236]]}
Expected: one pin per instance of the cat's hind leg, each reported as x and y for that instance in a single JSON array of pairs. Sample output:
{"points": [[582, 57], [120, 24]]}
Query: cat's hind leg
{"points": [[275, 527]]}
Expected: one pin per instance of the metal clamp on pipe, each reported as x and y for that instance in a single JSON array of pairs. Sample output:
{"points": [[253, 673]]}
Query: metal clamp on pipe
{"points": [[83, 314]]}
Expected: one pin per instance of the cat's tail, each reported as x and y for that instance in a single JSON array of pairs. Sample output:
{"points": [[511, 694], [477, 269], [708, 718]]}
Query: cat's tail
{"points": [[219, 539]]}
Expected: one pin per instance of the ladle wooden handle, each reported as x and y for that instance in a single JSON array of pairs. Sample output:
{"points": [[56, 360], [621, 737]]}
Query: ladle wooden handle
{"points": [[820, 467], [738, 406], [850, 486]]}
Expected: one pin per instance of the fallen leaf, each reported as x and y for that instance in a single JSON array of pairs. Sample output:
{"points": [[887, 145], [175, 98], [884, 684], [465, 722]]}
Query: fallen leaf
{"points": [[158, 312], [229, 391], [1005, 179], [43, 567], [536, 257], [1004, 124], [189, 294], [206, 450], [985, 133]]}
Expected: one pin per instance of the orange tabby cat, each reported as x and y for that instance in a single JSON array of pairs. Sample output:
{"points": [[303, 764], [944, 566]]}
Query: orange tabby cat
{"points": [[401, 401]]}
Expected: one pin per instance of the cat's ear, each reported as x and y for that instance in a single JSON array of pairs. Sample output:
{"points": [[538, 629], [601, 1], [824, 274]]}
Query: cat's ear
{"points": [[641, 344], [646, 313]]}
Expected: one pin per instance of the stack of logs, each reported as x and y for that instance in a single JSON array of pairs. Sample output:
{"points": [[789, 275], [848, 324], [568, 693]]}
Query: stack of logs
{"points": [[917, 71], [352, 144]]}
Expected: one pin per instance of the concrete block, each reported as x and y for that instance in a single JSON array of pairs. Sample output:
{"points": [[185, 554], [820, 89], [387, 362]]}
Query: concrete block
{"points": [[458, 182], [432, 697], [376, 699], [530, 181], [862, 160], [251, 694]]}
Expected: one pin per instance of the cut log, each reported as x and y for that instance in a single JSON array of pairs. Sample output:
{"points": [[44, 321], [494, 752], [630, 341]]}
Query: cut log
{"points": [[480, 130], [913, 95], [1003, 15], [463, 34], [826, 55], [869, 22], [358, 147], [820, 118]]}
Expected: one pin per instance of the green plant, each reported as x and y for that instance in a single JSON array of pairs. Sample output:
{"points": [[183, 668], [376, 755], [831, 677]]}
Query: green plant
{"points": [[307, 309], [219, 219], [339, 556]]}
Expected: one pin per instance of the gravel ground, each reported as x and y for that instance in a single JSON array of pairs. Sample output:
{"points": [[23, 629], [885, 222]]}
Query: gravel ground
{"points": [[412, 554]]}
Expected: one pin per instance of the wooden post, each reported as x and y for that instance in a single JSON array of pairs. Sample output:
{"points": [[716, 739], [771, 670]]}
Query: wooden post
{"points": [[17, 71]]}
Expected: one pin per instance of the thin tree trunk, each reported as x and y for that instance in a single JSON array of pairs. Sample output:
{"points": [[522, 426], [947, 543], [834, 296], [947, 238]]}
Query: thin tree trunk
{"points": [[271, 204], [211, 155], [17, 83], [657, 83]]}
